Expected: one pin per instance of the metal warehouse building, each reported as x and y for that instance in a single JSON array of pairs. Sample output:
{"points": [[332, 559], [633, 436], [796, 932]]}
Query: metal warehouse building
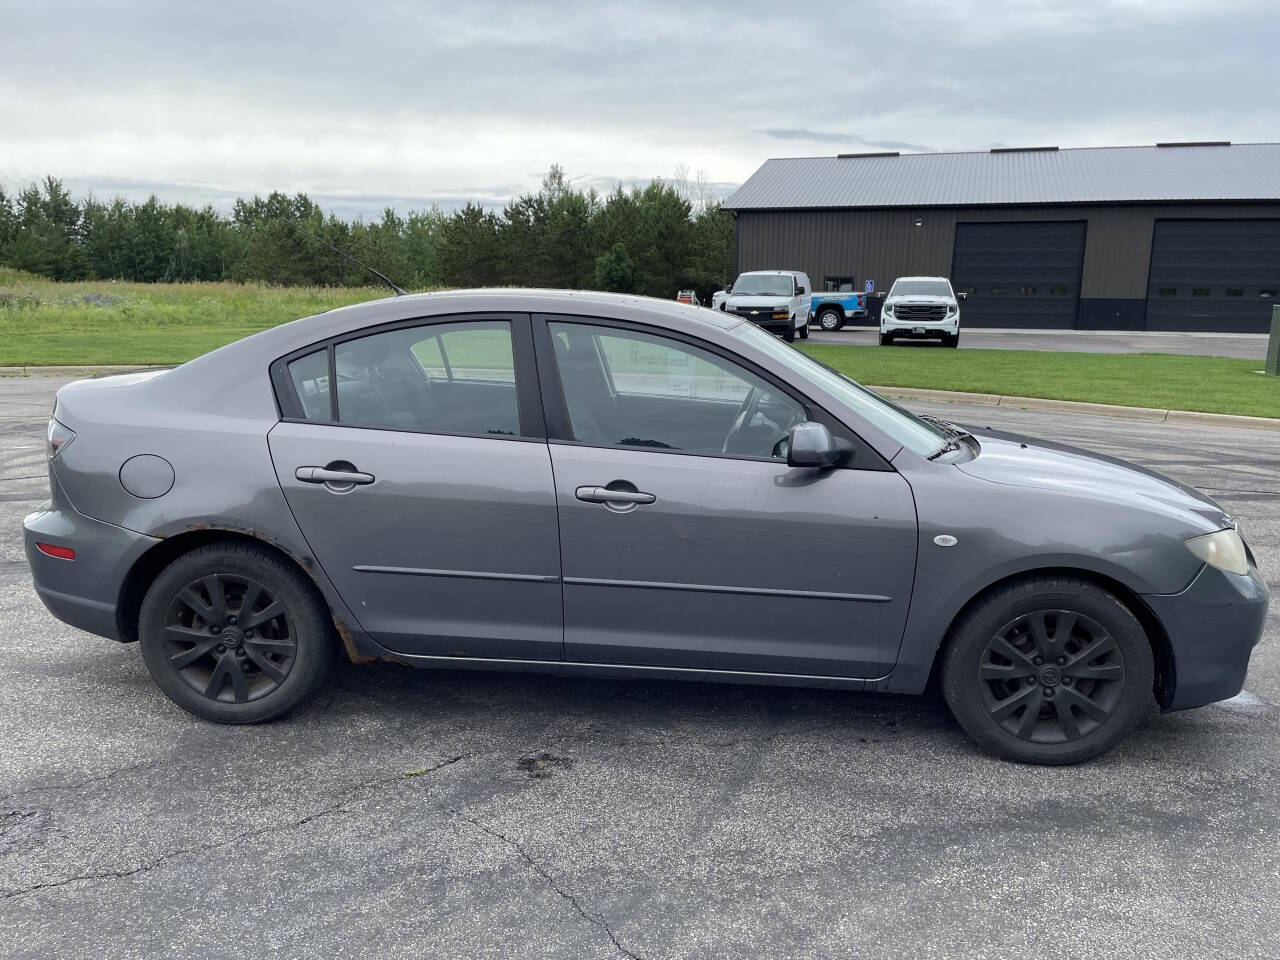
{"points": [[1169, 237]]}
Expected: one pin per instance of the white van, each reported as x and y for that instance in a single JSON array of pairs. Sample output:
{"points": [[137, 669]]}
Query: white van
{"points": [[777, 300]]}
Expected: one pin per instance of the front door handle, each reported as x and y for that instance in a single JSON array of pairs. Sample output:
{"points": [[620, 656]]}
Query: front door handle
{"points": [[325, 475], [605, 495]]}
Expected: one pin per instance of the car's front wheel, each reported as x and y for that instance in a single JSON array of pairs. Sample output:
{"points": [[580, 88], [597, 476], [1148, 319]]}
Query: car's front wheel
{"points": [[886, 339], [789, 334], [951, 339], [1048, 670], [234, 633]]}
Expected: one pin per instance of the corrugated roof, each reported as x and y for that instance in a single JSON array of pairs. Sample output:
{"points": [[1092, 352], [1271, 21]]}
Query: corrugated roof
{"points": [[1244, 171]]}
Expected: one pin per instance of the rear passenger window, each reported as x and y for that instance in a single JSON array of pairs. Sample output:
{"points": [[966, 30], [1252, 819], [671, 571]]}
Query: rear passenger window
{"points": [[310, 376], [439, 378]]}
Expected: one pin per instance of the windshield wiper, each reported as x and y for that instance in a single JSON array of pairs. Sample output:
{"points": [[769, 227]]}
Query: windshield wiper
{"points": [[951, 446], [948, 428]]}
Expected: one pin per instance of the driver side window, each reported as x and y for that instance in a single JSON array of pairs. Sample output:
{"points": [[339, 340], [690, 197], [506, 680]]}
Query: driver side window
{"points": [[631, 389]]}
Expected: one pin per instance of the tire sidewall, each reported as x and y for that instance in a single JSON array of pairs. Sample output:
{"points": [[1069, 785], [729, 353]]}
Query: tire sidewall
{"points": [[311, 637], [961, 684], [822, 321]]}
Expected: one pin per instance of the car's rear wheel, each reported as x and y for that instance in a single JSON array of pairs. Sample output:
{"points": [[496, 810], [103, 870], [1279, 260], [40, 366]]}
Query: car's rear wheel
{"points": [[234, 633], [831, 320], [1048, 670]]}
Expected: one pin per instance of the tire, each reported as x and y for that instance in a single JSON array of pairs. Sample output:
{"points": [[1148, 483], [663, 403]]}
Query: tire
{"points": [[886, 339], [789, 334], [218, 662], [951, 339], [831, 320], [992, 681], [804, 331]]}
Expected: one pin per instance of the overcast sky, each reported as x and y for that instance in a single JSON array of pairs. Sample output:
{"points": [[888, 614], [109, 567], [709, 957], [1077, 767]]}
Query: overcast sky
{"points": [[366, 103]]}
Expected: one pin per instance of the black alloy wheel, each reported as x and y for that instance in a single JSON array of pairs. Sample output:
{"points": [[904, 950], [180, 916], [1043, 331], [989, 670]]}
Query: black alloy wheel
{"points": [[1052, 676], [1048, 669], [229, 638], [235, 632]]}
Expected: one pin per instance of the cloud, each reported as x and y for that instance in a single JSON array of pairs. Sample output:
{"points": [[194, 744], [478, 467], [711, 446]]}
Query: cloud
{"points": [[434, 101], [818, 136]]}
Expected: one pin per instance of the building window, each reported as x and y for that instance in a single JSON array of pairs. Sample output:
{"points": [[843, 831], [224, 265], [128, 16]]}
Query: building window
{"points": [[1027, 291], [839, 284], [1058, 290], [1235, 291], [1168, 291], [998, 291], [1199, 291]]}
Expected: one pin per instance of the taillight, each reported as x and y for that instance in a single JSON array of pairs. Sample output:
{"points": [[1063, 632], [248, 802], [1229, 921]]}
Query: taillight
{"points": [[59, 436]]}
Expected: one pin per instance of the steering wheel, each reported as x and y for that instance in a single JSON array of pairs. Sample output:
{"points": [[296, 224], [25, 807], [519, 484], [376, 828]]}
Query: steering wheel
{"points": [[742, 419]]}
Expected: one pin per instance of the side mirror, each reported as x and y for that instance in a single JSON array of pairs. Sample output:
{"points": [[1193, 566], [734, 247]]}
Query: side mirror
{"points": [[801, 291], [880, 294], [962, 296], [810, 444]]}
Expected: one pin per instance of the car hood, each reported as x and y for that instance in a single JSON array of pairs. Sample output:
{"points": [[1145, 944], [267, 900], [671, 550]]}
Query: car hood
{"points": [[1027, 462], [946, 301]]}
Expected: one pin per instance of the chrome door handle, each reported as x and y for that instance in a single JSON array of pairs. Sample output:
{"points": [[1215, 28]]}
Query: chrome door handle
{"points": [[325, 475], [605, 495]]}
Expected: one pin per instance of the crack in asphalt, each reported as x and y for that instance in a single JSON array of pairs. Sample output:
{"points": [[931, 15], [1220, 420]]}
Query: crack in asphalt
{"points": [[79, 785], [337, 807], [595, 919]]}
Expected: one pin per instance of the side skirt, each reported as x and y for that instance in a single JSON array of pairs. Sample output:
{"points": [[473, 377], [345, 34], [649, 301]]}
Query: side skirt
{"points": [[628, 671]]}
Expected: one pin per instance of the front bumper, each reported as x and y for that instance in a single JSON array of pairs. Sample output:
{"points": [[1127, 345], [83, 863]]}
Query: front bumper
{"points": [[82, 592], [928, 328], [1213, 626]]}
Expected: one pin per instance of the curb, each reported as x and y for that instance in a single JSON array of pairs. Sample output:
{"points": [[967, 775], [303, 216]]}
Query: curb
{"points": [[1149, 414]]}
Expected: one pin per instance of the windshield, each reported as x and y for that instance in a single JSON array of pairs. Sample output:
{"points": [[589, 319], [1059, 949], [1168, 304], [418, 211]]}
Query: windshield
{"points": [[905, 427], [763, 285], [920, 288]]}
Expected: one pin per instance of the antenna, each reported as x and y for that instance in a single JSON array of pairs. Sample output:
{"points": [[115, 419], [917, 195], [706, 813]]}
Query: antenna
{"points": [[400, 291]]}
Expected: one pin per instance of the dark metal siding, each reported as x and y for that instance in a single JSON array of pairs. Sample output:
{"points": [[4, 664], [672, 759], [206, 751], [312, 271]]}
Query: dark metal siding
{"points": [[881, 244]]}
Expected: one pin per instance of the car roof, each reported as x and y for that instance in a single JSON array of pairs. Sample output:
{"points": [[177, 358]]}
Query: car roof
{"points": [[921, 278]]}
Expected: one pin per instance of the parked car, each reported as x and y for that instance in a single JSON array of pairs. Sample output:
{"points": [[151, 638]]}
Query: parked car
{"points": [[921, 307], [776, 300], [719, 297], [830, 309], [595, 485], [689, 297]]}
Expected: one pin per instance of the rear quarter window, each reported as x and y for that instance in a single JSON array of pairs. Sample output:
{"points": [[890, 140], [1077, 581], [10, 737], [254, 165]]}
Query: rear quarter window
{"points": [[310, 378]]}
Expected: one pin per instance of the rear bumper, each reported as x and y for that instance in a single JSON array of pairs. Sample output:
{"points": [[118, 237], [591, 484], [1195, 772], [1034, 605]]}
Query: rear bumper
{"points": [[82, 592], [1213, 626]]}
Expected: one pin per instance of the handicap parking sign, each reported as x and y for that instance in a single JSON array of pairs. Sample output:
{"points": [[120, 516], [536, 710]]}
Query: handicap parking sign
{"points": [[870, 285]]}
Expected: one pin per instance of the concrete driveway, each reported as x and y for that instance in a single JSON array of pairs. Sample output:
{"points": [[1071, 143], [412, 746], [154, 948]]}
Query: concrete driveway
{"points": [[1247, 346], [468, 815]]}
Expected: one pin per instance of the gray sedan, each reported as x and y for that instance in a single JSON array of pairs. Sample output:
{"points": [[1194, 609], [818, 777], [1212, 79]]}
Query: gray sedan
{"points": [[609, 486]]}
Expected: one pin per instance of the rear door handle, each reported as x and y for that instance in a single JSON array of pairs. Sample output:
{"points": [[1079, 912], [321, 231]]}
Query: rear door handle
{"points": [[325, 475], [605, 495]]}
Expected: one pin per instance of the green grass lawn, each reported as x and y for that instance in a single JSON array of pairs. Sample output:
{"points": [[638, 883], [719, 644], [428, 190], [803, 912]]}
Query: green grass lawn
{"points": [[45, 323], [1210, 384]]}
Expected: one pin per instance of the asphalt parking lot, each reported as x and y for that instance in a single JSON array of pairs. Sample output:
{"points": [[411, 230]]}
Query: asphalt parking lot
{"points": [[484, 815], [1246, 346]]}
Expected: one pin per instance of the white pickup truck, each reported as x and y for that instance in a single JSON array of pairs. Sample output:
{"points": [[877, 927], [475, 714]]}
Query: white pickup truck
{"points": [[921, 307], [778, 300]]}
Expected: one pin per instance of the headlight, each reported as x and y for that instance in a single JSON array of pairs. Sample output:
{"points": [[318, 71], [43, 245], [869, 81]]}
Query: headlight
{"points": [[1224, 550], [58, 437], [888, 310], [952, 310]]}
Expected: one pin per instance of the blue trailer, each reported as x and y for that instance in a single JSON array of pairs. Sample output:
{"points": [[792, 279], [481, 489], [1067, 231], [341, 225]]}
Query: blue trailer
{"points": [[830, 309]]}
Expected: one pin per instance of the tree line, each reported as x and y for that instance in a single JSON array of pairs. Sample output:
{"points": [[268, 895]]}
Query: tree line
{"points": [[650, 240]]}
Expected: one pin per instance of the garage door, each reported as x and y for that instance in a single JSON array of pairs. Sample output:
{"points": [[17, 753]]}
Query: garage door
{"points": [[1214, 275], [1019, 274]]}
